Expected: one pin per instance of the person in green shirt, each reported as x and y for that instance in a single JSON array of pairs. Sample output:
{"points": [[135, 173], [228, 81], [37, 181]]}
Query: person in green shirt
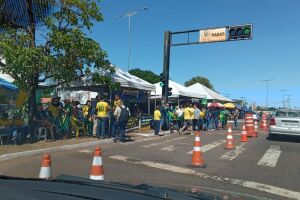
{"points": [[65, 118], [224, 117]]}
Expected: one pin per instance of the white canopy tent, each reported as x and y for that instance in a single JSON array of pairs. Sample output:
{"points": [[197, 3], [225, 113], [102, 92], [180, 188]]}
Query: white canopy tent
{"points": [[210, 94], [177, 90], [124, 78]]}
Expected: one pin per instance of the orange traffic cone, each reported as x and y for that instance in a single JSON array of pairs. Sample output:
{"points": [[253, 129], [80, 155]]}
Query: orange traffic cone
{"points": [[229, 140], [45, 171], [255, 126], [244, 137], [97, 172], [197, 159]]}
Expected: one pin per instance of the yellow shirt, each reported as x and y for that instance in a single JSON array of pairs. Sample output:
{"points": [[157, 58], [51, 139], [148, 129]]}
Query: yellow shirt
{"points": [[85, 111], [157, 115], [54, 110], [187, 114], [192, 113], [202, 114], [102, 108]]}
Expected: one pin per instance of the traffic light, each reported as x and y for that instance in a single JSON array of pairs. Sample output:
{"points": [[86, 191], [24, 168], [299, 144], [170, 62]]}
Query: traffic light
{"points": [[162, 80], [170, 92], [242, 32]]}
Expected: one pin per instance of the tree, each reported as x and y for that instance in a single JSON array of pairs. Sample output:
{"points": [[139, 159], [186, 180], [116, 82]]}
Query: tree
{"points": [[146, 75], [38, 47], [199, 79]]}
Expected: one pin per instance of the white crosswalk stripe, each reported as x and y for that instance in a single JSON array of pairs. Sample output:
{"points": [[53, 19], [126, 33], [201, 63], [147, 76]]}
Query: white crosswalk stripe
{"points": [[232, 154], [163, 142], [168, 148], [271, 156], [210, 146]]}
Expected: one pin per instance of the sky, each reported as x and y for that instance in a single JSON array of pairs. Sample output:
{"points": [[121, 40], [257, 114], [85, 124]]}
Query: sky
{"points": [[235, 68]]}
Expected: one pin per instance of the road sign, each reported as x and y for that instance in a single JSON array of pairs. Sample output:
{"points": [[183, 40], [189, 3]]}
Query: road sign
{"points": [[213, 35]]}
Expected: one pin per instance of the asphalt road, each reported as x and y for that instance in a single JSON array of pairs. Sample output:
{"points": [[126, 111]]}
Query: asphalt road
{"points": [[260, 168]]}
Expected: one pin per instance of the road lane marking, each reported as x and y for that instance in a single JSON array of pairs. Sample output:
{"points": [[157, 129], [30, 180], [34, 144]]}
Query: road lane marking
{"points": [[210, 146], [163, 142], [85, 151], [244, 183], [145, 134], [168, 148], [271, 156], [232, 154]]}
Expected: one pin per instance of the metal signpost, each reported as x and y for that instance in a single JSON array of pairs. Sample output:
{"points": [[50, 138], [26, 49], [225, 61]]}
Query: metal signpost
{"points": [[217, 34]]}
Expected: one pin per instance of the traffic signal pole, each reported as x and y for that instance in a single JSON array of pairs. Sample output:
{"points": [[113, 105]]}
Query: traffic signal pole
{"points": [[167, 46], [209, 35]]}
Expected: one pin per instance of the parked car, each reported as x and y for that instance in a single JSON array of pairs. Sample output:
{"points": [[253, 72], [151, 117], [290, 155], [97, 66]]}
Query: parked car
{"points": [[285, 122], [256, 116]]}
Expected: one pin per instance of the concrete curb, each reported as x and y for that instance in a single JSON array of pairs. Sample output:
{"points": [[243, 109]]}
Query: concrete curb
{"points": [[11, 156]]}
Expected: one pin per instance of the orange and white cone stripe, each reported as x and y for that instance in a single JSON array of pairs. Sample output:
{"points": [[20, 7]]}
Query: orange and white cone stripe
{"points": [[197, 159], [255, 126], [229, 140], [97, 172], [244, 137], [45, 172], [197, 145]]}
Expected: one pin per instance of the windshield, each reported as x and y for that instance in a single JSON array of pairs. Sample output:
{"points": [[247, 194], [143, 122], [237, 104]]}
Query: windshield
{"points": [[197, 96], [287, 114]]}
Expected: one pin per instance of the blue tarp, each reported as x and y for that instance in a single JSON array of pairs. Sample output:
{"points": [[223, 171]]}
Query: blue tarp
{"points": [[7, 85]]}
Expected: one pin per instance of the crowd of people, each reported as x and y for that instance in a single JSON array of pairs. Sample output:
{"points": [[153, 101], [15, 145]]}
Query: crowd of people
{"points": [[97, 119], [62, 119], [192, 117]]}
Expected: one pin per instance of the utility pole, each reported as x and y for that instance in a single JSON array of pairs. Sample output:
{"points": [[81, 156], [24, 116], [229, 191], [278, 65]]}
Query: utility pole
{"points": [[283, 101], [267, 81], [288, 101], [129, 15], [166, 66]]}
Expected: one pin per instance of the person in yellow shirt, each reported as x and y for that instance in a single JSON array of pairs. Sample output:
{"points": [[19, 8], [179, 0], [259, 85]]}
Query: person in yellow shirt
{"points": [[113, 121], [156, 120], [202, 119], [88, 121], [102, 108], [187, 115], [192, 111], [53, 110]]}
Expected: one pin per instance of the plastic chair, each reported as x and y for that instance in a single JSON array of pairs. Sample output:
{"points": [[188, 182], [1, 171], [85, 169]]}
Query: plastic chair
{"points": [[41, 133], [78, 126]]}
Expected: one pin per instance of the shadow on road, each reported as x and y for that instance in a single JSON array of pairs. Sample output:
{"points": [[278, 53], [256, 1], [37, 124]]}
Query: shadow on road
{"points": [[284, 138]]}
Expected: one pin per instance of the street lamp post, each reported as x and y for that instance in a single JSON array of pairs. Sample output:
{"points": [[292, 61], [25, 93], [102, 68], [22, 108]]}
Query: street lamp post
{"points": [[129, 15], [267, 81]]}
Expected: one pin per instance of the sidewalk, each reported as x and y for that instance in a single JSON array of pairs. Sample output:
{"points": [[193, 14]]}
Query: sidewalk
{"points": [[59, 144]]}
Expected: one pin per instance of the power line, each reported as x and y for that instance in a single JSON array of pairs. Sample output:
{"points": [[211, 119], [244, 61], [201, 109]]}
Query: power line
{"points": [[283, 97], [267, 81]]}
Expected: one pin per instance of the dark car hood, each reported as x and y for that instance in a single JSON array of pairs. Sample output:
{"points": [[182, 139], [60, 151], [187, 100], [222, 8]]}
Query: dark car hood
{"points": [[66, 187]]}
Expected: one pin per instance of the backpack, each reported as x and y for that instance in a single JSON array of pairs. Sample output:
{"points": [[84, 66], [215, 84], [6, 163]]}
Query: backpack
{"points": [[124, 116]]}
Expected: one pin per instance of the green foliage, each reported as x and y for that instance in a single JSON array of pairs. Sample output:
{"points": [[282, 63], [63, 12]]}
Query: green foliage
{"points": [[60, 51], [199, 79], [146, 75]]}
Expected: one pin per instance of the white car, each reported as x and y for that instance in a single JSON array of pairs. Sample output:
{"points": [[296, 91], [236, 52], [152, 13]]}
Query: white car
{"points": [[285, 122]]}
